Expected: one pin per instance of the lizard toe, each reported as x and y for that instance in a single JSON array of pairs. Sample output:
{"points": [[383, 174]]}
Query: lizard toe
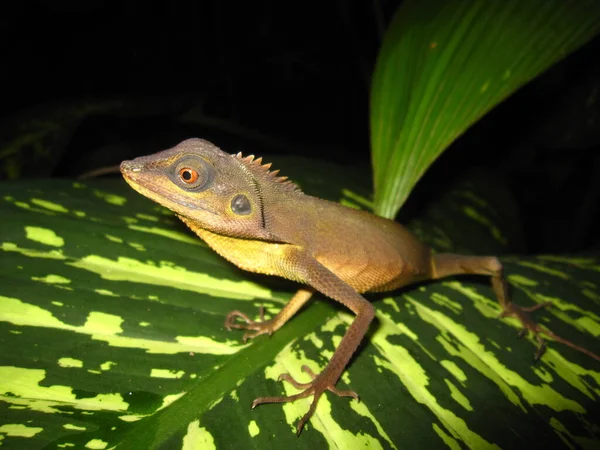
{"points": [[319, 384]]}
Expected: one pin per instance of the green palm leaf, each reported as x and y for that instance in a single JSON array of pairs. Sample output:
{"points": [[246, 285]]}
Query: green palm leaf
{"points": [[443, 65]]}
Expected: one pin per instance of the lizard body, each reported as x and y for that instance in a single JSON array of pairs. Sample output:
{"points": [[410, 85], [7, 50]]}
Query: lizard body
{"points": [[263, 223]]}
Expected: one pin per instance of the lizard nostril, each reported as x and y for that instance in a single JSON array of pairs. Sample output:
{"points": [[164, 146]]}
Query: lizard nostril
{"points": [[130, 166]]}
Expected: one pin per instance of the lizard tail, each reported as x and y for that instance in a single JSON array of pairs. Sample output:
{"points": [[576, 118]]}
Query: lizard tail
{"points": [[557, 338]]}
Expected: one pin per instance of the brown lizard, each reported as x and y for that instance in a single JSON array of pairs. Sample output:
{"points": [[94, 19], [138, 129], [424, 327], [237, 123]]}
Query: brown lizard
{"points": [[263, 223]]}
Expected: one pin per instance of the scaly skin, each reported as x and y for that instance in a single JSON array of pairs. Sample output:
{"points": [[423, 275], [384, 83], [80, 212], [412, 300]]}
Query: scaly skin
{"points": [[263, 223]]}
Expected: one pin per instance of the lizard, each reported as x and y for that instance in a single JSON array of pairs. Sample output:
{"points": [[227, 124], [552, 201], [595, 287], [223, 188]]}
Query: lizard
{"points": [[264, 223]]}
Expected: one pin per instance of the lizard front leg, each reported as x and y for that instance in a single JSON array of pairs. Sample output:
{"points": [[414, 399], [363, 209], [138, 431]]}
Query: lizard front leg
{"points": [[446, 264], [326, 282], [262, 326]]}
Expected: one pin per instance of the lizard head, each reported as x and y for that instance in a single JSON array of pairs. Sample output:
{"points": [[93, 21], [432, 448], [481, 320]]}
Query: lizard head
{"points": [[207, 187]]}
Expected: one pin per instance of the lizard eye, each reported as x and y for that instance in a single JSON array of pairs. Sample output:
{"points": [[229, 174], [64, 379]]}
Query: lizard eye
{"points": [[188, 175], [241, 205], [192, 173]]}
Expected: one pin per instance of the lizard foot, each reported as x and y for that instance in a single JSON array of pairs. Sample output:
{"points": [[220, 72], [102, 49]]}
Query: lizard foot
{"points": [[522, 314], [529, 325], [256, 328], [319, 384]]}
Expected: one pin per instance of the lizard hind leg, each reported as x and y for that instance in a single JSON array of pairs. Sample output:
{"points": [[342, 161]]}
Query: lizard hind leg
{"points": [[446, 264]]}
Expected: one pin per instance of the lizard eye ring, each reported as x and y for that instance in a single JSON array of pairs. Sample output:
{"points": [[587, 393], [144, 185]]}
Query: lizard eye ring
{"points": [[192, 173]]}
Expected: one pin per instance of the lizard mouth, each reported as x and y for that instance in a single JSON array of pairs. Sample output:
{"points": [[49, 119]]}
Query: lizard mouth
{"points": [[130, 171], [133, 174]]}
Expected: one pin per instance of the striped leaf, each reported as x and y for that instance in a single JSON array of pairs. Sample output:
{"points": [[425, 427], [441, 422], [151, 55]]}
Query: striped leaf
{"points": [[111, 332]]}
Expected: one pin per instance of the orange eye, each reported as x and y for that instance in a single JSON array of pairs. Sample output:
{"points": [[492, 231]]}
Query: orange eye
{"points": [[188, 175], [191, 173]]}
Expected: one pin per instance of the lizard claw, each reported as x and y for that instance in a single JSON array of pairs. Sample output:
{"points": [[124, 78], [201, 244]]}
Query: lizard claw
{"points": [[541, 347], [230, 320], [256, 328], [316, 388], [529, 325], [522, 315]]}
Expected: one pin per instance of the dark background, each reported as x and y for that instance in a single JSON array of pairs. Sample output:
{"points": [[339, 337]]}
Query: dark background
{"points": [[271, 77]]}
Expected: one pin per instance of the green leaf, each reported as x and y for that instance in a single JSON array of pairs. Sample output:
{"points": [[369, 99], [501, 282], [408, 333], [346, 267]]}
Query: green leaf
{"points": [[111, 333], [476, 215], [444, 64]]}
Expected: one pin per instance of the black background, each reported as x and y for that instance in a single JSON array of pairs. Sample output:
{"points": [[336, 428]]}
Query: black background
{"points": [[271, 77]]}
